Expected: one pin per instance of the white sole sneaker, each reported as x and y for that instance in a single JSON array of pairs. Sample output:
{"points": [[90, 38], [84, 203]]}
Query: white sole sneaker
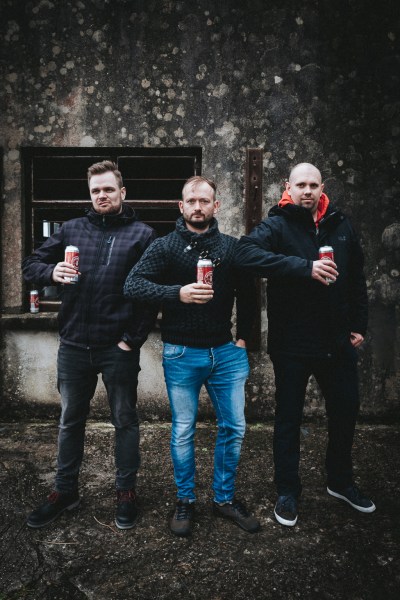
{"points": [[283, 521], [362, 509]]}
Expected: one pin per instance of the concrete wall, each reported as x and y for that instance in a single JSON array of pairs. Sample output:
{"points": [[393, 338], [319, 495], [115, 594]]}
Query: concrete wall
{"points": [[306, 81]]}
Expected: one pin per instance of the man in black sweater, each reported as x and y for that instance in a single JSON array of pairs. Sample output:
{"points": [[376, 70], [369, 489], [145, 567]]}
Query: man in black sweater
{"points": [[314, 327], [198, 347]]}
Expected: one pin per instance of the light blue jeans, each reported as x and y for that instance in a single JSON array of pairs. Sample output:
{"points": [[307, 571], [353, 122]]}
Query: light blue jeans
{"points": [[223, 370]]}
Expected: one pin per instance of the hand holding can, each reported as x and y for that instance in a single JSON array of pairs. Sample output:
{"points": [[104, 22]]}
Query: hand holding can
{"points": [[205, 271], [327, 252], [72, 257]]}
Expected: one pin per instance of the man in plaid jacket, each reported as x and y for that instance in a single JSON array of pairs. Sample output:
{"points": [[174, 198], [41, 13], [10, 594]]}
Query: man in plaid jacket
{"points": [[100, 332]]}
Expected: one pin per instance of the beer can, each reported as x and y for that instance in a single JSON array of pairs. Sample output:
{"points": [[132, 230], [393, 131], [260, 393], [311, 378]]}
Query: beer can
{"points": [[327, 252], [205, 271], [34, 301], [72, 257]]}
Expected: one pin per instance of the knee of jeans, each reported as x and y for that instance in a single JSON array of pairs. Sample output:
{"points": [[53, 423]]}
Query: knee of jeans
{"points": [[182, 432], [125, 421], [234, 430]]}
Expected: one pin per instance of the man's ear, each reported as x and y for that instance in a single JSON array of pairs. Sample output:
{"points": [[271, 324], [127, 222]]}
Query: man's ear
{"points": [[287, 187], [216, 206], [123, 193], [180, 204]]}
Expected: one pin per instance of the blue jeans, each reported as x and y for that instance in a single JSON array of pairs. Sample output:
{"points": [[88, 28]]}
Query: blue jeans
{"points": [[338, 380], [223, 370], [77, 379]]}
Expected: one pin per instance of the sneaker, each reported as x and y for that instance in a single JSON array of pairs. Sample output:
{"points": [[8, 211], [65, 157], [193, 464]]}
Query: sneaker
{"points": [[237, 512], [353, 496], [285, 511], [127, 511], [55, 505], [181, 522]]}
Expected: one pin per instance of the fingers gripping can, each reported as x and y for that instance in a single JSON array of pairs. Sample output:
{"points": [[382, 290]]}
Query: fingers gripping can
{"points": [[327, 252], [72, 257], [205, 271]]}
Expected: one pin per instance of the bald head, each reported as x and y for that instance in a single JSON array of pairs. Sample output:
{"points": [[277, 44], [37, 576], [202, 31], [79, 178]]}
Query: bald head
{"points": [[305, 168], [305, 186]]}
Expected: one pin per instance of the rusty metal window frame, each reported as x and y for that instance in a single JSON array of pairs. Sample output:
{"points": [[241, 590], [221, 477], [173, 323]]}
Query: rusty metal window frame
{"points": [[54, 187], [253, 204]]}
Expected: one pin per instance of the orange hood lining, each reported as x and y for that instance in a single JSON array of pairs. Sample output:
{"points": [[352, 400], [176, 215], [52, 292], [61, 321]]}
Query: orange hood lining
{"points": [[322, 207]]}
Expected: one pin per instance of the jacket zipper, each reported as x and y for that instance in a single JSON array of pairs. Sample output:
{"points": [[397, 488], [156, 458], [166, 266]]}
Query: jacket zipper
{"points": [[91, 286]]}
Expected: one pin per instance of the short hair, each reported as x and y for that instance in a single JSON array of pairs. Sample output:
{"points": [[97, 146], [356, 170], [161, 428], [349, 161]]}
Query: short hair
{"points": [[196, 179], [104, 167]]}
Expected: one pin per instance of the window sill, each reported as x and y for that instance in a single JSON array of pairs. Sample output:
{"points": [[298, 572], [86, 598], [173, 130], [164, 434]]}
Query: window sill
{"points": [[35, 321]]}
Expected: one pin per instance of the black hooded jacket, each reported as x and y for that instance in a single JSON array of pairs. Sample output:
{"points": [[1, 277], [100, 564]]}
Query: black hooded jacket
{"points": [[306, 318], [94, 311]]}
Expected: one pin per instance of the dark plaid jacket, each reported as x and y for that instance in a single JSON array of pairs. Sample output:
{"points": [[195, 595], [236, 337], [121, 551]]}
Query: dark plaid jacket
{"points": [[94, 312], [170, 263]]}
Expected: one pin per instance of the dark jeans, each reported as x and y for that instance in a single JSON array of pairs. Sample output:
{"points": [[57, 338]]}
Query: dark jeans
{"points": [[338, 380], [77, 380]]}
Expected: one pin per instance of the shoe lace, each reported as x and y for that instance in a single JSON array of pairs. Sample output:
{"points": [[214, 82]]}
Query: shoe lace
{"points": [[126, 495], [54, 496], [182, 511], [354, 493], [240, 508], [289, 503]]}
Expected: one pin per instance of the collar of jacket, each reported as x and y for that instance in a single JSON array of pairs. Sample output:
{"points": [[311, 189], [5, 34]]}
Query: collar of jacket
{"points": [[303, 215], [208, 244], [127, 215], [191, 236]]}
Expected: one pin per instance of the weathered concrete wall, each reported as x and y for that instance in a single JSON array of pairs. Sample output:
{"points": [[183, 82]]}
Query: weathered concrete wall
{"points": [[313, 81]]}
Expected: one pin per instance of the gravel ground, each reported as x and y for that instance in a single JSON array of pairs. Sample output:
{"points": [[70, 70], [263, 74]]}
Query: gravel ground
{"points": [[333, 552]]}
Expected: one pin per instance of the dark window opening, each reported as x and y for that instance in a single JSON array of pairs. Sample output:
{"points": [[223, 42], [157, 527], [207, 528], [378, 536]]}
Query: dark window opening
{"points": [[55, 189]]}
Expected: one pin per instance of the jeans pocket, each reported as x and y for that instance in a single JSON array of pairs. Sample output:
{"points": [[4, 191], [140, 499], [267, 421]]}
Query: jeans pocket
{"points": [[119, 349], [237, 347], [172, 351]]}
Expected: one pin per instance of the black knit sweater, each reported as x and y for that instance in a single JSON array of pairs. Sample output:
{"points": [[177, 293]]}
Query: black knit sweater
{"points": [[170, 263]]}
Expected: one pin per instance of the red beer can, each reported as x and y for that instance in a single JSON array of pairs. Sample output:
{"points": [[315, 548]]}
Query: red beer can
{"points": [[327, 252], [34, 301], [205, 271], [72, 257]]}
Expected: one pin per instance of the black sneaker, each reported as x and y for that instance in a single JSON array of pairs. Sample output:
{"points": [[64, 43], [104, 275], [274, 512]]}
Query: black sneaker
{"points": [[286, 512], [353, 496], [237, 512], [127, 511], [181, 522], [55, 505]]}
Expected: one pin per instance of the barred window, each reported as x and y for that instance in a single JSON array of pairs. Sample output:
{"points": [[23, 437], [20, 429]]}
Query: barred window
{"points": [[55, 188]]}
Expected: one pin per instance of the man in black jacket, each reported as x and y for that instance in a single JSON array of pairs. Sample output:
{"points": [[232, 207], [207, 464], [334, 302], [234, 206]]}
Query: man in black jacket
{"points": [[314, 328], [100, 332], [198, 347]]}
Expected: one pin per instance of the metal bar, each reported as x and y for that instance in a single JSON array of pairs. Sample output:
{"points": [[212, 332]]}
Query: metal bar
{"points": [[253, 202]]}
